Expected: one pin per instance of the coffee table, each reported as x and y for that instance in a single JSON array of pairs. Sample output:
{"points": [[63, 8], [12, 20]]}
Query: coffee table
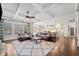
{"points": [[36, 39]]}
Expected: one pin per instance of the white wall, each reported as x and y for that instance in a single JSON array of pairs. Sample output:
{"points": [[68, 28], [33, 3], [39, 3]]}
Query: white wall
{"points": [[64, 20], [77, 29], [59, 20], [29, 27], [13, 36]]}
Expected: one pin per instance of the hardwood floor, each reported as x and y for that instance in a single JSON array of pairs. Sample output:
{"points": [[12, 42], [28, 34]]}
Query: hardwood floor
{"points": [[10, 50], [65, 47]]}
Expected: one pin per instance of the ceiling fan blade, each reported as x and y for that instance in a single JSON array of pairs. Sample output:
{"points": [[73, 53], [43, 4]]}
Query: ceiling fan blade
{"points": [[32, 17], [27, 16]]}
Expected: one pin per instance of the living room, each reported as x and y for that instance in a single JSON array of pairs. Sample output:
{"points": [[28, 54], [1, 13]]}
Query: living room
{"points": [[35, 29]]}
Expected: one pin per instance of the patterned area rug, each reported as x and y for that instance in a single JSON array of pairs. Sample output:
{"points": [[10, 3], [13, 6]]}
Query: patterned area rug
{"points": [[30, 48]]}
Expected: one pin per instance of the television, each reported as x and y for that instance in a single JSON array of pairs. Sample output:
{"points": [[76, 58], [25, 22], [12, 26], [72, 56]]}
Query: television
{"points": [[0, 11]]}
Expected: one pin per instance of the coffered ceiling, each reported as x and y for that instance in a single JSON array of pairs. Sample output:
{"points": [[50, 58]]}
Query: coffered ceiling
{"points": [[42, 11]]}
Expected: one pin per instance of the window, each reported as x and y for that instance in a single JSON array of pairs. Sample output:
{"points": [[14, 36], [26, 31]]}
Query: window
{"points": [[7, 28], [18, 28]]}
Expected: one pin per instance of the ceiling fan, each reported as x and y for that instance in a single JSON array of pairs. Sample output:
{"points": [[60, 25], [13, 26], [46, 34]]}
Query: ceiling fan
{"points": [[28, 16]]}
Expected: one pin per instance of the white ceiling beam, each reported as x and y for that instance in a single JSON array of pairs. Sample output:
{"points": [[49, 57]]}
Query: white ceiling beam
{"points": [[5, 9], [53, 6], [45, 11], [18, 10], [77, 6], [39, 8]]}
